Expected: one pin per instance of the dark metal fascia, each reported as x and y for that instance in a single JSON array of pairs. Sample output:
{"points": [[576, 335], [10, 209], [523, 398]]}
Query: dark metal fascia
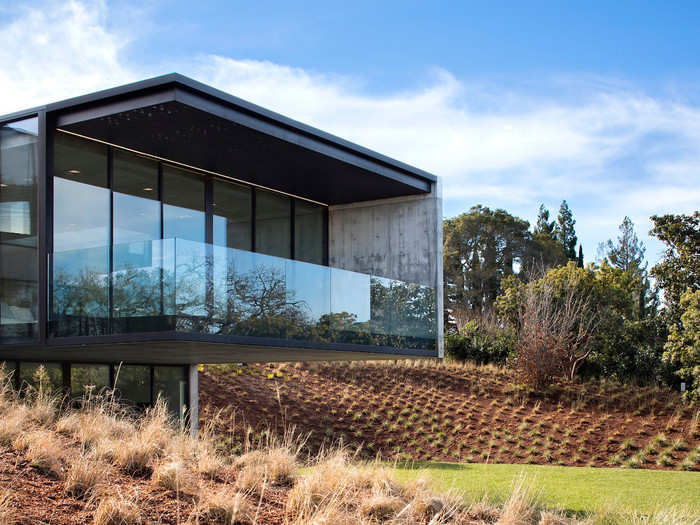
{"points": [[221, 97]]}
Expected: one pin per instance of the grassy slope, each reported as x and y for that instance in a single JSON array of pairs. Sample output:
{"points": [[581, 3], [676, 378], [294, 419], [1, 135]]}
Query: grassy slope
{"points": [[571, 488], [428, 411]]}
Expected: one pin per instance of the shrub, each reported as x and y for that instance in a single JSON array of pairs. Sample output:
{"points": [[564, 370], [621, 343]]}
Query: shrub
{"points": [[481, 342]]}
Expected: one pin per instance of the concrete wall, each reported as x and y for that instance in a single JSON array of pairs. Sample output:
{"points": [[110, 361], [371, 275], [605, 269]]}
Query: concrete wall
{"points": [[399, 238]]}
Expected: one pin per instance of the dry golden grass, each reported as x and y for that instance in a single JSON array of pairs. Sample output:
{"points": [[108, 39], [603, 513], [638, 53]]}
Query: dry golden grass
{"points": [[12, 424], [8, 516], [93, 425], [337, 489], [136, 454], [224, 506], [553, 518], [43, 450], [86, 477], [520, 508], [277, 466], [175, 476], [118, 510], [381, 507]]}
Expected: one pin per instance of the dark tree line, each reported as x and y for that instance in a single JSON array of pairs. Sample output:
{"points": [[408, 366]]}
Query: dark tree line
{"points": [[482, 247]]}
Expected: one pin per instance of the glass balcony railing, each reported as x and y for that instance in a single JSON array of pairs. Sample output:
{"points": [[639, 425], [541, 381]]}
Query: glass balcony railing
{"points": [[185, 286]]}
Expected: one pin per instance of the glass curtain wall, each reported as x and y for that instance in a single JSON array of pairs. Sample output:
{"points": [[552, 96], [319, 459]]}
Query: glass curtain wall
{"points": [[82, 236], [137, 258], [18, 231], [143, 246], [309, 232], [273, 224]]}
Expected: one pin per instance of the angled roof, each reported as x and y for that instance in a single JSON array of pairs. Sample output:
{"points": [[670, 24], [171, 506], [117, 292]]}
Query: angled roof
{"points": [[184, 90]]}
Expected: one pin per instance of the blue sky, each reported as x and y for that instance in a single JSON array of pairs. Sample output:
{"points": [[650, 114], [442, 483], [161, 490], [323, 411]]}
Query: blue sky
{"points": [[514, 104]]}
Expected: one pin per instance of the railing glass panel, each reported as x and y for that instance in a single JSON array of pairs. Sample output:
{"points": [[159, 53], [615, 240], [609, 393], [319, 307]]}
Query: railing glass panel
{"points": [[187, 286]]}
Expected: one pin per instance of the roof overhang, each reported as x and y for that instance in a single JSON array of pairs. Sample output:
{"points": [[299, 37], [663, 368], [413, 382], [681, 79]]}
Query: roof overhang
{"points": [[179, 119]]}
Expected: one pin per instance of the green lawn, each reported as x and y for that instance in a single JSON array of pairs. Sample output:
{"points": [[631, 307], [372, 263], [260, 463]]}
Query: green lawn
{"points": [[571, 488]]}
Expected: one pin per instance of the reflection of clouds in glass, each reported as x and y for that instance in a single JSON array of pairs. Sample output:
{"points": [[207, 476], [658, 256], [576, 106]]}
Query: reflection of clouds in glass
{"points": [[350, 293], [83, 205], [310, 285], [15, 218]]}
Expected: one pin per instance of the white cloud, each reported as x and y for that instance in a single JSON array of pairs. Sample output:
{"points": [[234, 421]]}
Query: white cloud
{"points": [[610, 149], [59, 50]]}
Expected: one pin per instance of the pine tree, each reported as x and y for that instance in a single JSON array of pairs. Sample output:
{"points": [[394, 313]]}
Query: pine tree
{"points": [[579, 262], [543, 225], [565, 232], [627, 253]]}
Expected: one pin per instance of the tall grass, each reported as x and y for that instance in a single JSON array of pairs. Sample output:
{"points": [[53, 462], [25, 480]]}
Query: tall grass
{"points": [[82, 447]]}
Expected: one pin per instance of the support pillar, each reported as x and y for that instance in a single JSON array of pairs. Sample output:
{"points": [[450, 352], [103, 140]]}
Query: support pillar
{"points": [[193, 376]]}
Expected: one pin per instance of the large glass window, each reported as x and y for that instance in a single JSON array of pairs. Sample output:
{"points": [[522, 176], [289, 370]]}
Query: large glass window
{"points": [[86, 380], [81, 237], [18, 231], [48, 376], [137, 258], [272, 224], [183, 205], [232, 220], [170, 384], [309, 224], [130, 252], [134, 383]]}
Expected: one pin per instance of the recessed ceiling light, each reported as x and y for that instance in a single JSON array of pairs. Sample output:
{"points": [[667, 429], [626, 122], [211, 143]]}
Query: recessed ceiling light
{"points": [[148, 189], [73, 172]]}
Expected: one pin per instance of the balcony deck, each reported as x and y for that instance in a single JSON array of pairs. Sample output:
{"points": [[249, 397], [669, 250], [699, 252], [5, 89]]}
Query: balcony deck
{"points": [[198, 297]]}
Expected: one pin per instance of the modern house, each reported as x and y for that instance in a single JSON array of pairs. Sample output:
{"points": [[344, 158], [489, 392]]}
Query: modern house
{"points": [[153, 226]]}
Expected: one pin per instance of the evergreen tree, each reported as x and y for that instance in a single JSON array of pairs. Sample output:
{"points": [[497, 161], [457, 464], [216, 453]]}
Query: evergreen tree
{"points": [[579, 262], [543, 226], [565, 232], [481, 247], [679, 270], [627, 253]]}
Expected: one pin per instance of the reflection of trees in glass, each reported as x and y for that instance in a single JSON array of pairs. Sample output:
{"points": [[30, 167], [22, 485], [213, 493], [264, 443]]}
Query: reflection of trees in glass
{"points": [[255, 300], [403, 314], [259, 303], [80, 302]]}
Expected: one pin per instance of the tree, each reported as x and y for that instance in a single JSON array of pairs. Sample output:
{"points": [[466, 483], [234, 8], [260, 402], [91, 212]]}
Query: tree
{"points": [[621, 346], [565, 232], [556, 321], [679, 270], [481, 247], [628, 253], [682, 349], [544, 251], [579, 261], [543, 225]]}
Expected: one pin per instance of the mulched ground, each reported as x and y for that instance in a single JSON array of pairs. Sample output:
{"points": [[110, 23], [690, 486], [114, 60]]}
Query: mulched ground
{"points": [[451, 413], [40, 499]]}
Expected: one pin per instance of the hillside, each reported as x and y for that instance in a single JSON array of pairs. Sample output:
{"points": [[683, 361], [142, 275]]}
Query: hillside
{"points": [[427, 410], [103, 464]]}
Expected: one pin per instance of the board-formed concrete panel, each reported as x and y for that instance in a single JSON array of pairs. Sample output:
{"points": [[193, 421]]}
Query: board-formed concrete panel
{"points": [[399, 238]]}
